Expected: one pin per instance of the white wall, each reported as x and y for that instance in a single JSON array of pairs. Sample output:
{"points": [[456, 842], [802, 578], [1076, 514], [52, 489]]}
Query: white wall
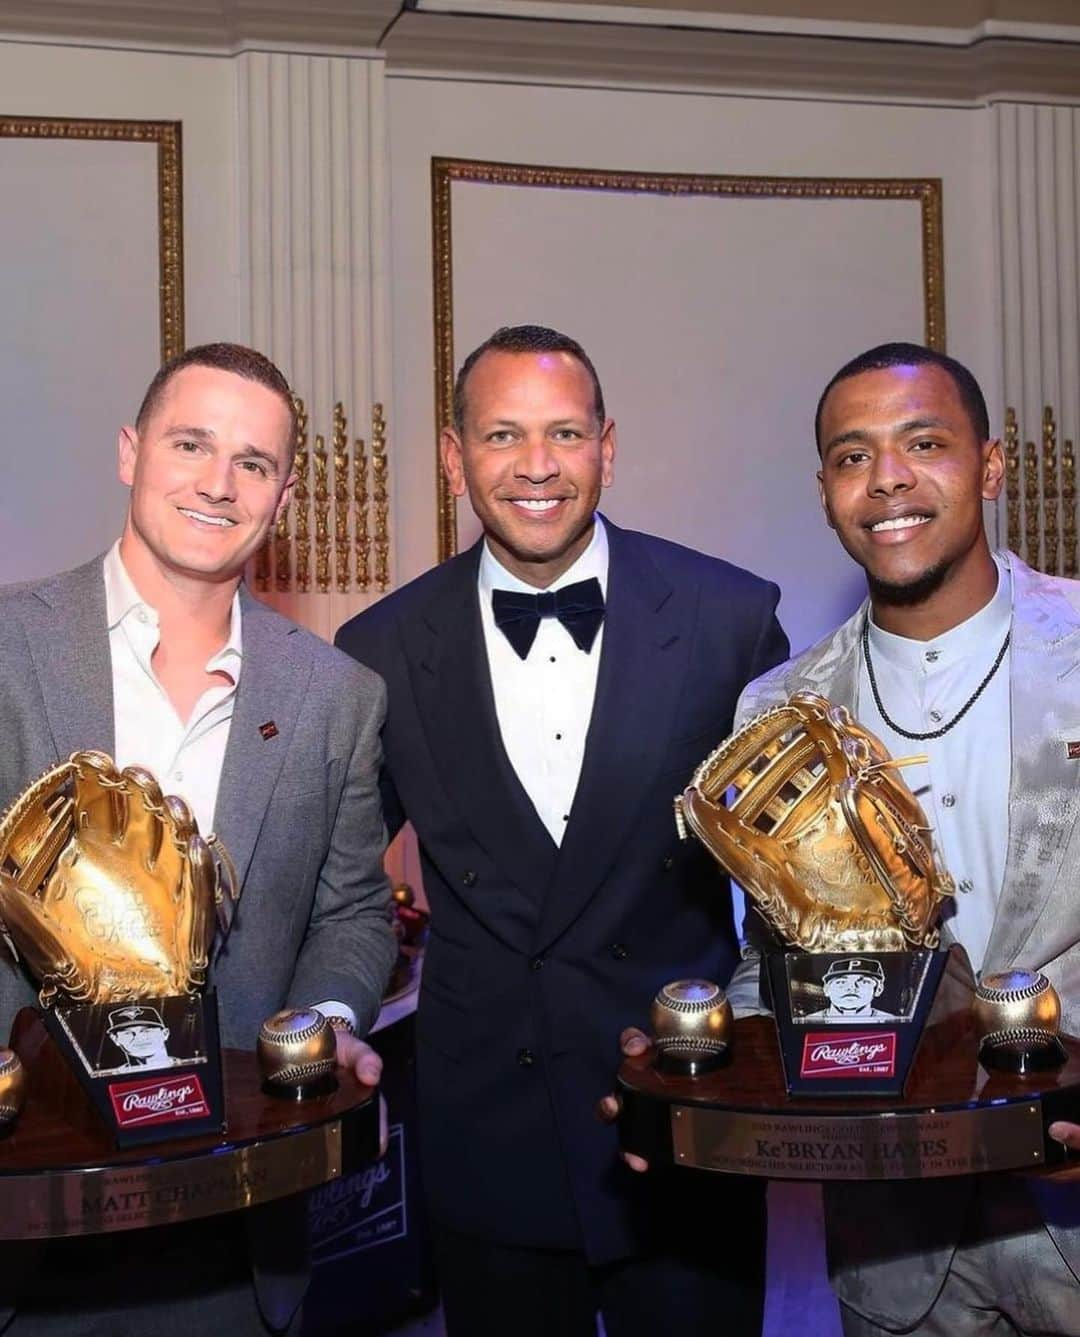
{"points": [[639, 131], [74, 505]]}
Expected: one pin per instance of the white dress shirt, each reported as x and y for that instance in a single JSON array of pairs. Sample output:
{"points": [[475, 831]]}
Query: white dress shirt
{"points": [[964, 789], [185, 757], [544, 702]]}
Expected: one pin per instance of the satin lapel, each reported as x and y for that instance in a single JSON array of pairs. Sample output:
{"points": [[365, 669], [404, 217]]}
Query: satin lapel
{"points": [[1044, 790], [69, 644], [452, 688], [642, 664], [274, 677]]}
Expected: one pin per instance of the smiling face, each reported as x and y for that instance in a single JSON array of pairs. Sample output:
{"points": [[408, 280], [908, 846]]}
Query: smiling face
{"points": [[852, 993], [209, 474], [533, 459], [903, 480]]}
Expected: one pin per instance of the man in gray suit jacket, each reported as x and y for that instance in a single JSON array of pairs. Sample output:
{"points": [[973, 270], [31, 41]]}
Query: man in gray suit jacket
{"points": [[158, 656], [969, 656]]}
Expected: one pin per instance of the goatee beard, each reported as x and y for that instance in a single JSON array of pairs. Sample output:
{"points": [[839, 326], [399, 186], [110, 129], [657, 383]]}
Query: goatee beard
{"points": [[911, 592]]}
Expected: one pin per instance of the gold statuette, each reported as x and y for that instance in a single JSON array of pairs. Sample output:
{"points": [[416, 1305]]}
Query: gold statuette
{"points": [[820, 831]]}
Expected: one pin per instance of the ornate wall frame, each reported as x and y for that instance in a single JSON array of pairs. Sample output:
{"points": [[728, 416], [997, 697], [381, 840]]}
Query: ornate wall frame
{"points": [[166, 135], [445, 171]]}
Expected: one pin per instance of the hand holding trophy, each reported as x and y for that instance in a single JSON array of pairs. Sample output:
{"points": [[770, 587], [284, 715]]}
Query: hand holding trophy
{"points": [[834, 852]]}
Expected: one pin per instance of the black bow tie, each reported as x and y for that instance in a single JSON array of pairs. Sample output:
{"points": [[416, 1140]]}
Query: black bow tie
{"points": [[579, 607]]}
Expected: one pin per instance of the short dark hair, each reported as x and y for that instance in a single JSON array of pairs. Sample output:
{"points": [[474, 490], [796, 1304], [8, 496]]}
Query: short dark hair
{"points": [[524, 339], [241, 361], [885, 356]]}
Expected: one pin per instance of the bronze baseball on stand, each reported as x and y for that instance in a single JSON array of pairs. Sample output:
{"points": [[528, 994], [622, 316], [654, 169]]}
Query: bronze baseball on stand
{"points": [[1017, 1018], [691, 1024], [12, 1086], [297, 1052]]}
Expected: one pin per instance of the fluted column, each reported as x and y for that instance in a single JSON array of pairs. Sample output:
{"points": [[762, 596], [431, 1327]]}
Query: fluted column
{"points": [[1038, 180], [313, 221]]}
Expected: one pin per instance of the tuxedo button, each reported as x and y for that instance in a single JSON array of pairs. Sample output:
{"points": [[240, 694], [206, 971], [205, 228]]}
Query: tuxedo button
{"points": [[526, 1058], [538, 963], [948, 800], [668, 864], [619, 952], [470, 878]]}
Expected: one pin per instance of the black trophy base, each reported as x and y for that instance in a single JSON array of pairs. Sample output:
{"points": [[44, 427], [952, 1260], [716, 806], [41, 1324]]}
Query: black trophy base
{"points": [[151, 1068], [849, 1024], [1023, 1059]]}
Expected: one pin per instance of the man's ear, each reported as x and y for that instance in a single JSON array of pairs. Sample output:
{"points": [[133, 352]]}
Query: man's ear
{"points": [[127, 449], [993, 469], [286, 495], [450, 454], [607, 453]]}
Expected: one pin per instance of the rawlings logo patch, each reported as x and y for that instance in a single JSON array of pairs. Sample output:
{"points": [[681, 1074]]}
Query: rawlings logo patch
{"points": [[865, 1054], [159, 1100]]}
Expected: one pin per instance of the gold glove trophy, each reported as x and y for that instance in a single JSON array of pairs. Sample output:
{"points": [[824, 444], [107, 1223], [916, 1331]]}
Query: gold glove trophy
{"points": [[809, 814], [108, 895]]}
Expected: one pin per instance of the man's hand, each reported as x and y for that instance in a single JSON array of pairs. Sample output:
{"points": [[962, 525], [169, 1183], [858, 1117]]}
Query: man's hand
{"points": [[633, 1043], [360, 1059]]}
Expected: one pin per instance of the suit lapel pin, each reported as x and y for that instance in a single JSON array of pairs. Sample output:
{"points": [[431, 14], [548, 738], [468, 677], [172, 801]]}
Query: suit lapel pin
{"points": [[1072, 751], [268, 730]]}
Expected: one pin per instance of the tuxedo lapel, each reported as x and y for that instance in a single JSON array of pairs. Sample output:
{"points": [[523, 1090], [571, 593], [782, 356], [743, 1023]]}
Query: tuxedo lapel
{"points": [[643, 660], [68, 639], [1044, 792], [452, 687], [274, 677]]}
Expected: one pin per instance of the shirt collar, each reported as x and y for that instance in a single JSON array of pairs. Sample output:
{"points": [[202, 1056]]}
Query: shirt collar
{"points": [[592, 562], [122, 599], [988, 627]]}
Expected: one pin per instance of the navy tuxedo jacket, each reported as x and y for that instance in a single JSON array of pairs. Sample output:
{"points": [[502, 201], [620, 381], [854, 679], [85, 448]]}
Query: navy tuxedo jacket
{"points": [[540, 955]]}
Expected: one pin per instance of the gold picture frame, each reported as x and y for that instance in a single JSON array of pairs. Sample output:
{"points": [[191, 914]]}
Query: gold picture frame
{"points": [[446, 171], [167, 136]]}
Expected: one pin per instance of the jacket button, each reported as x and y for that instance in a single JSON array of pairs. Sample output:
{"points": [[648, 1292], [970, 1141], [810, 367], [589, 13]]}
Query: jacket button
{"points": [[538, 963], [526, 1058], [668, 864], [619, 952], [470, 879]]}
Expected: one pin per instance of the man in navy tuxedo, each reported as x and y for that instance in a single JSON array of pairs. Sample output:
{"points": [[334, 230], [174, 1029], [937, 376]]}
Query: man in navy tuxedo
{"points": [[549, 691]]}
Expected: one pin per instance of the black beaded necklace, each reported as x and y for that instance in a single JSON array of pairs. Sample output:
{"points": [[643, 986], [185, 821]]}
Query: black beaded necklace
{"points": [[934, 733]]}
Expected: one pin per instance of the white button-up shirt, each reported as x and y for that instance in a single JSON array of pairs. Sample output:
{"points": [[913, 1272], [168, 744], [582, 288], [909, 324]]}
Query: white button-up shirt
{"points": [[544, 702], [185, 756], [964, 789]]}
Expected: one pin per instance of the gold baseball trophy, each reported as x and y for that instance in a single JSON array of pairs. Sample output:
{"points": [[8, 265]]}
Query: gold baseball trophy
{"points": [[110, 898], [882, 1059]]}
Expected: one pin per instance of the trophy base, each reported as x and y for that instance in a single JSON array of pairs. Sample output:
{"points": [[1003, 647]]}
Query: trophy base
{"points": [[953, 1117], [1023, 1059]]}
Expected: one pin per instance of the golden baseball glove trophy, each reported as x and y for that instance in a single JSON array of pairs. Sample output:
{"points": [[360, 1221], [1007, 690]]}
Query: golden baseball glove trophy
{"points": [[809, 814], [108, 894]]}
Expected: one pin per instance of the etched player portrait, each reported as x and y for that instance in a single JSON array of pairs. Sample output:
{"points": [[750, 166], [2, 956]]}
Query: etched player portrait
{"points": [[828, 989], [111, 1038]]}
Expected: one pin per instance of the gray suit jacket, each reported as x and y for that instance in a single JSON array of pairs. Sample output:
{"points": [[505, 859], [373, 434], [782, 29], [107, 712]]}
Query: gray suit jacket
{"points": [[299, 812], [892, 1273]]}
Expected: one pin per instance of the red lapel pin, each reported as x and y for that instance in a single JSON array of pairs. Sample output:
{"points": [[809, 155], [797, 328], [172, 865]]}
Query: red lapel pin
{"points": [[1072, 751], [268, 730]]}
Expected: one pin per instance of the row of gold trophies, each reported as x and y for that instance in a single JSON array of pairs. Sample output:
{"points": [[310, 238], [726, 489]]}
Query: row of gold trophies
{"points": [[347, 488], [1042, 491]]}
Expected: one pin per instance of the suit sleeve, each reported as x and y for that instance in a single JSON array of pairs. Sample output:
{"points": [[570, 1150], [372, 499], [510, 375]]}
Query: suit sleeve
{"points": [[772, 646], [350, 948], [351, 641]]}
